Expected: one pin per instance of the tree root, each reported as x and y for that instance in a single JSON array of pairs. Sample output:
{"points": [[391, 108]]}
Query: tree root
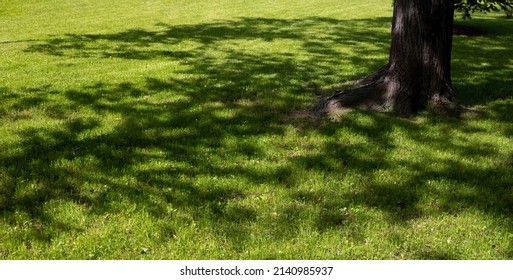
{"points": [[365, 97], [374, 77], [373, 94]]}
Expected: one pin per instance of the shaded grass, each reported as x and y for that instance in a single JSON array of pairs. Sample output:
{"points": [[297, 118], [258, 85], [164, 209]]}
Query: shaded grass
{"points": [[483, 78], [180, 138]]}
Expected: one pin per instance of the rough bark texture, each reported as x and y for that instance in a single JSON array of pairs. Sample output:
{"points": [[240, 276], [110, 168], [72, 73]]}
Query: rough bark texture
{"points": [[418, 73]]}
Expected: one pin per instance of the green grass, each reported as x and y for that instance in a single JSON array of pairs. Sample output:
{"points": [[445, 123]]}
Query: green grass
{"points": [[174, 130]]}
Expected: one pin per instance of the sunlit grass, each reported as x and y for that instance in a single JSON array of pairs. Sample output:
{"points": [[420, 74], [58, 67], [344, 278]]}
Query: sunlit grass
{"points": [[180, 130]]}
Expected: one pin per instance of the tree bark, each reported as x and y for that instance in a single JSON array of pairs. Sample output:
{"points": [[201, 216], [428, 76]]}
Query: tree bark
{"points": [[418, 73]]}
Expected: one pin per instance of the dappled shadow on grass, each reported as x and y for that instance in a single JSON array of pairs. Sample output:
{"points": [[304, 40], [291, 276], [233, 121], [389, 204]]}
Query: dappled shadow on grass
{"points": [[448, 168], [193, 140], [70, 162], [482, 65], [440, 136], [217, 48], [221, 92]]}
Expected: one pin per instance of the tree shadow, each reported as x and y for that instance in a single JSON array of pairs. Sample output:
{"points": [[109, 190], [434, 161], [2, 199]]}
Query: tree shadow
{"points": [[220, 92], [451, 185], [487, 75], [220, 97]]}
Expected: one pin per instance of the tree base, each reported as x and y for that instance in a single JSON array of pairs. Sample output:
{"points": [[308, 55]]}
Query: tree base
{"points": [[380, 93]]}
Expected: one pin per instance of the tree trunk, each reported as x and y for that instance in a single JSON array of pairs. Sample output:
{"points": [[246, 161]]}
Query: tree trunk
{"points": [[418, 73]]}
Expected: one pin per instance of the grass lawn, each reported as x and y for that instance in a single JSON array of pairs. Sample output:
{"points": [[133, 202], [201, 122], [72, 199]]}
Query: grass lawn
{"points": [[175, 129]]}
